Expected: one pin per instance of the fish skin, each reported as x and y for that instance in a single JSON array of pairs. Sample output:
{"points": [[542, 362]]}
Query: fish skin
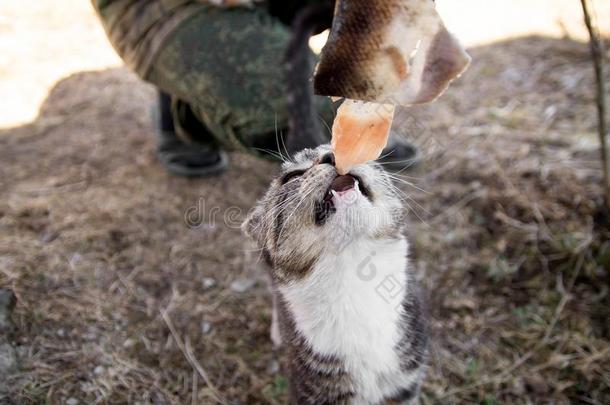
{"points": [[360, 132], [370, 55]]}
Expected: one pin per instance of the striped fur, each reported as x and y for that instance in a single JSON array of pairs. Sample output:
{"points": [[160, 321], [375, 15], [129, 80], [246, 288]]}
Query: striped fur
{"points": [[349, 311]]}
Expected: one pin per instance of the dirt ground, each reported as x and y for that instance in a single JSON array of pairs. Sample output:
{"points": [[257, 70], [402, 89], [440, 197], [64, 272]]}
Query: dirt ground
{"points": [[134, 286]]}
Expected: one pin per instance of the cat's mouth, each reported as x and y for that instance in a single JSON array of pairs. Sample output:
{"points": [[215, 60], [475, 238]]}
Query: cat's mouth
{"points": [[344, 190]]}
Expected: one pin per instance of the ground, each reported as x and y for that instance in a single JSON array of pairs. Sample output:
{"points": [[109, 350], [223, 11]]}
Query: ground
{"points": [[134, 286]]}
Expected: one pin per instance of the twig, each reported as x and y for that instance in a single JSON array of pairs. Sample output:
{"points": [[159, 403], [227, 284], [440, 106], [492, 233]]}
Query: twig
{"points": [[195, 396], [190, 357], [597, 53]]}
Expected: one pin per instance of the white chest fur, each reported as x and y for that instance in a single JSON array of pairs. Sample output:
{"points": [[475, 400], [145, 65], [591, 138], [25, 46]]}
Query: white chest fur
{"points": [[349, 306]]}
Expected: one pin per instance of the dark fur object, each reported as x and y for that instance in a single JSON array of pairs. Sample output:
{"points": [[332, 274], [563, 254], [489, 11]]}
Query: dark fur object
{"points": [[305, 131]]}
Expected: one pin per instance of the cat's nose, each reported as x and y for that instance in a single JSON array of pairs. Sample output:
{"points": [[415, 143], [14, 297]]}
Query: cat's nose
{"points": [[328, 159]]}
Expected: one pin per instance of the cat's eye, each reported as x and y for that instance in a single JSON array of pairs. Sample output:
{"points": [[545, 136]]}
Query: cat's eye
{"points": [[292, 175]]}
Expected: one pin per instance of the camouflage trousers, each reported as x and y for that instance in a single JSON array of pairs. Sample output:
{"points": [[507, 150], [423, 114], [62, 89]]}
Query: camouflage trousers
{"points": [[224, 63]]}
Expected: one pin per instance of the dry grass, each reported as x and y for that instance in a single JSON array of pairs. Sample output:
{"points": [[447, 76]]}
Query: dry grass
{"points": [[508, 240], [515, 251]]}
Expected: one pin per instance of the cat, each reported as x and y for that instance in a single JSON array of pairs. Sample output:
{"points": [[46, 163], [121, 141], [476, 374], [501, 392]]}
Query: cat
{"points": [[346, 306]]}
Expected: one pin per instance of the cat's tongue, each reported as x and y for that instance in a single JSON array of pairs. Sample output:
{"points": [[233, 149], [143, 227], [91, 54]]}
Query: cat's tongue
{"points": [[343, 183], [344, 190]]}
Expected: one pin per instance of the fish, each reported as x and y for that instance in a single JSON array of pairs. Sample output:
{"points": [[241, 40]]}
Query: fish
{"points": [[360, 132], [381, 54], [388, 51]]}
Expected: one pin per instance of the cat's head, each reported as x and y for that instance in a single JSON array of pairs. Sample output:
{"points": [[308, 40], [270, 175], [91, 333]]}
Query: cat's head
{"points": [[310, 210]]}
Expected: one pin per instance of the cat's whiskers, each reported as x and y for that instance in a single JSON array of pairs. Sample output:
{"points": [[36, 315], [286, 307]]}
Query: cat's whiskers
{"points": [[405, 198], [407, 162], [304, 198], [404, 176], [281, 144], [271, 153], [330, 131], [406, 182], [384, 155], [272, 215]]}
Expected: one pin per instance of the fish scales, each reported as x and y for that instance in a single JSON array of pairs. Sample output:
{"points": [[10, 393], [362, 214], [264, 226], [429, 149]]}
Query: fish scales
{"points": [[388, 51]]}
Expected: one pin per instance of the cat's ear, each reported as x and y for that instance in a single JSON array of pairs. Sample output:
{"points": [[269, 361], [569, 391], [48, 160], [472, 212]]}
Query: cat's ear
{"points": [[253, 226]]}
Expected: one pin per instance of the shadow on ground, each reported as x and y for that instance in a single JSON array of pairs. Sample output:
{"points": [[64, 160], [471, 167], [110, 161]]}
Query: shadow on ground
{"points": [[97, 241]]}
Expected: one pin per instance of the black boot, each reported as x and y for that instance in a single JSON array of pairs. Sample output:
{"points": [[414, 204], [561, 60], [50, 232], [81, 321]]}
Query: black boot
{"points": [[182, 158]]}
